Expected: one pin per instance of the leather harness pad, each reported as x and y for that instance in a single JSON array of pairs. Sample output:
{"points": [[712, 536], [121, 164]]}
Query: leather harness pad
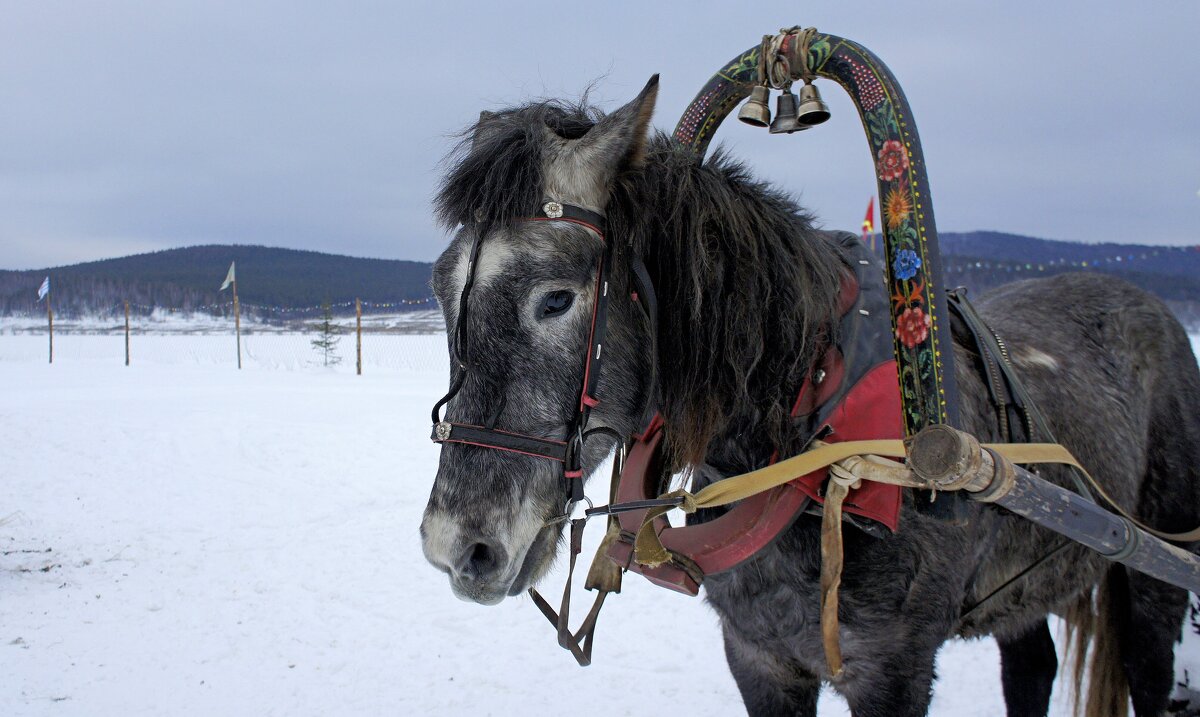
{"points": [[871, 410]]}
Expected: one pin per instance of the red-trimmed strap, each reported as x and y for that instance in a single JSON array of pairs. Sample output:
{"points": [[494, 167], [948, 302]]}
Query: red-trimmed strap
{"points": [[595, 339], [557, 211], [580, 222], [446, 432]]}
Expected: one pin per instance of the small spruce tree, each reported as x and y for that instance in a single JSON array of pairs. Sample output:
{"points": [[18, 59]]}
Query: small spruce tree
{"points": [[327, 337]]}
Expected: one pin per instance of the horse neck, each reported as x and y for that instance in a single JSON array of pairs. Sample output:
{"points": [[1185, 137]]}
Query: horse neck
{"points": [[741, 315]]}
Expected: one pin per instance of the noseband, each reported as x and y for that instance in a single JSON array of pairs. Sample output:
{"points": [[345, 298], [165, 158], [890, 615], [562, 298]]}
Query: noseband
{"points": [[565, 452]]}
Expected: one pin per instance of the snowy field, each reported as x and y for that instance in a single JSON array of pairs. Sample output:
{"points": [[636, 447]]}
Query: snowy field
{"points": [[181, 538]]}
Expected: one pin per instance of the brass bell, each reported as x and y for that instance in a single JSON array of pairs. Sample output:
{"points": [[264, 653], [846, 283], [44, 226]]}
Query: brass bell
{"points": [[756, 112], [785, 115], [813, 110]]}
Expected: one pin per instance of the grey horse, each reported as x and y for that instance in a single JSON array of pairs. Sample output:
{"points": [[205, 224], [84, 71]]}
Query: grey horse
{"points": [[747, 289]]}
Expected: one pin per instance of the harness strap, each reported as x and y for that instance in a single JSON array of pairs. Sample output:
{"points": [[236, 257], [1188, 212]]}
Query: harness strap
{"points": [[970, 610], [989, 354], [836, 491], [570, 213], [1085, 484], [991, 347], [579, 643], [447, 432], [591, 368], [648, 549], [604, 576]]}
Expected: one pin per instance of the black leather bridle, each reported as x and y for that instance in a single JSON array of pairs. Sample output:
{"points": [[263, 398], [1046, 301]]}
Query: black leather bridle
{"points": [[569, 452], [566, 452]]}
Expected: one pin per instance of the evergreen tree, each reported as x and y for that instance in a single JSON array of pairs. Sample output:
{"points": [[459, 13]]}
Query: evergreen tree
{"points": [[327, 336]]}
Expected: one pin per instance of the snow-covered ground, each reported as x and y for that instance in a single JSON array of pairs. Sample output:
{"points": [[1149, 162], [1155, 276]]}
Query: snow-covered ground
{"points": [[393, 353], [181, 538]]}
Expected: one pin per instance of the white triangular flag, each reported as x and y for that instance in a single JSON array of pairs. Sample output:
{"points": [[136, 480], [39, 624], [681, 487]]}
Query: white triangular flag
{"points": [[44, 288], [229, 278]]}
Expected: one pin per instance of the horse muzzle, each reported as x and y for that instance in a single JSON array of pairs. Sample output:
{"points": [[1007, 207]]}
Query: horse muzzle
{"points": [[482, 568], [479, 569]]}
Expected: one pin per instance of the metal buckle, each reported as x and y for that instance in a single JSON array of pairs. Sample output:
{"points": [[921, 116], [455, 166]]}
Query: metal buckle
{"points": [[569, 512], [573, 458], [573, 507]]}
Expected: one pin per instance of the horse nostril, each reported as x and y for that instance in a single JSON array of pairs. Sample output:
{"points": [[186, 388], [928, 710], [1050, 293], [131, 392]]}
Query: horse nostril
{"points": [[479, 562]]}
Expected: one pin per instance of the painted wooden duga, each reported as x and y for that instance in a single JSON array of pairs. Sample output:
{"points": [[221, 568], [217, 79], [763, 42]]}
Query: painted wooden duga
{"points": [[914, 277]]}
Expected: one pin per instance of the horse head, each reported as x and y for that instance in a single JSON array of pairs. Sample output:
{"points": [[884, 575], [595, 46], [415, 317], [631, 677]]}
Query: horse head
{"points": [[518, 286]]}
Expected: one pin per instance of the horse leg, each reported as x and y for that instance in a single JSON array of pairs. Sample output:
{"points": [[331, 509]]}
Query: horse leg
{"points": [[901, 686], [1153, 611], [1149, 616], [771, 686], [1028, 664]]}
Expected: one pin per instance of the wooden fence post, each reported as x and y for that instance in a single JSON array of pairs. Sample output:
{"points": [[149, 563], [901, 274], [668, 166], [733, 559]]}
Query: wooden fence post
{"points": [[237, 323], [50, 324], [358, 332], [126, 333]]}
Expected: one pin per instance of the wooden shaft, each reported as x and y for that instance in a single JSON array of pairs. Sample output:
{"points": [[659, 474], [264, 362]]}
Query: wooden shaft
{"points": [[237, 323], [938, 451], [126, 333], [1114, 537], [358, 332]]}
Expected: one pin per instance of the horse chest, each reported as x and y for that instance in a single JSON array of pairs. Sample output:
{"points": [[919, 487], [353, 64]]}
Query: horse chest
{"points": [[772, 602]]}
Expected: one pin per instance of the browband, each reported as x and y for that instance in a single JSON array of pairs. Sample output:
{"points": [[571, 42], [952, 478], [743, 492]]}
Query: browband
{"points": [[571, 213]]}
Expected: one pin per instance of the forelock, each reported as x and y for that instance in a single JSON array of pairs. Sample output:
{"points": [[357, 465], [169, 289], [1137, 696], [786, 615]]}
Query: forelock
{"points": [[494, 173]]}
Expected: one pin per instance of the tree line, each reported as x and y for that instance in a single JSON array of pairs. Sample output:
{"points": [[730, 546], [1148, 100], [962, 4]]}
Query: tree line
{"points": [[187, 280]]}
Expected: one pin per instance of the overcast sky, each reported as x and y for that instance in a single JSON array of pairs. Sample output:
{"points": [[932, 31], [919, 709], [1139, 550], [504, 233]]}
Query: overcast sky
{"points": [[129, 127]]}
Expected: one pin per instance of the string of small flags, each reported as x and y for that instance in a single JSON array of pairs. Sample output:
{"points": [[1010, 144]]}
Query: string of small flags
{"points": [[952, 266]]}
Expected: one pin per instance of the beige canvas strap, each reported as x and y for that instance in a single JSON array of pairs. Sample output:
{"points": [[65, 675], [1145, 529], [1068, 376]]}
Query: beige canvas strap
{"points": [[649, 550]]}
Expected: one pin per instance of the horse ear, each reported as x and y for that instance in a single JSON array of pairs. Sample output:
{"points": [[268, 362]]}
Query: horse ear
{"points": [[581, 170], [481, 130], [619, 140]]}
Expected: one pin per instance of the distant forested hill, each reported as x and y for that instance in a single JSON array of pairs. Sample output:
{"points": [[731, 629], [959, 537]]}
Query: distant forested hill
{"points": [[982, 260], [1013, 248], [188, 278]]}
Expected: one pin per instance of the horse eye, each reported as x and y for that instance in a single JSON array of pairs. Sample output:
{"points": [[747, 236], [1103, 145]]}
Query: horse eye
{"points": [[556, 302]]}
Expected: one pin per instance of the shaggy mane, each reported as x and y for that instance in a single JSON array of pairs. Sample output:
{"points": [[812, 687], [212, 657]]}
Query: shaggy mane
{"points": [[747, 290], [746, 287]]}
